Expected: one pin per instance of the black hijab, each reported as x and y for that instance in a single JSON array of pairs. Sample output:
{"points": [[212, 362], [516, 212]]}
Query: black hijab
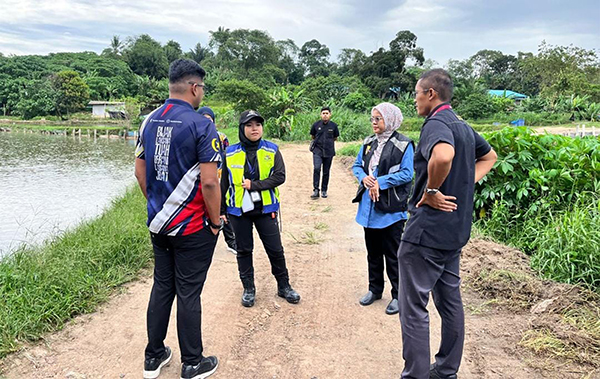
{"points": [[246, 143]]}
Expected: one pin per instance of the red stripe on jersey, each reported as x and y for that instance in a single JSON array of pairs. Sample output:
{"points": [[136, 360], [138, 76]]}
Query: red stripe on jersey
{"points": [[194, 209], [168, 108]]}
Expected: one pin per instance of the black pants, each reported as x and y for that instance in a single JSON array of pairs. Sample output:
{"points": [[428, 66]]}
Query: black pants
{"points": [[180, 267], [424, 270], [383, 243], [229, 235], [268, 231], [319, 161]]}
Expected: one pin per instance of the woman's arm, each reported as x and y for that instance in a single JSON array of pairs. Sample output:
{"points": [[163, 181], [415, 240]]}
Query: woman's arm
{"points": [[402, 176], [276, 178]]}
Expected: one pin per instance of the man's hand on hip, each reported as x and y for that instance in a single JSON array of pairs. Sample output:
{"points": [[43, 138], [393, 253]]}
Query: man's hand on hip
{"points": [[438, 201]]}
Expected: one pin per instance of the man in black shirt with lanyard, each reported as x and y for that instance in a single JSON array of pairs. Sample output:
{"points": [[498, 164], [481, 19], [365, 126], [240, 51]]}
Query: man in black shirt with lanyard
{"points": [[324, 133], [449, 159]]}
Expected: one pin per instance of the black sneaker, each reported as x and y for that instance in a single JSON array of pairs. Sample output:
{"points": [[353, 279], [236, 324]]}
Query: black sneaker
{"points": [[315, 194], [204, 369], [324, 194], [152, 366], [433, 374]]}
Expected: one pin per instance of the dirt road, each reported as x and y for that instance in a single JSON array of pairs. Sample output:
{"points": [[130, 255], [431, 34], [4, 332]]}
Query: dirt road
{"points": [[327, 335]]}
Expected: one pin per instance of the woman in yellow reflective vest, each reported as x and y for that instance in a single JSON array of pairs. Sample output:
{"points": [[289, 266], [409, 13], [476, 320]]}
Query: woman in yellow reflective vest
{"points": [[253, 170]]}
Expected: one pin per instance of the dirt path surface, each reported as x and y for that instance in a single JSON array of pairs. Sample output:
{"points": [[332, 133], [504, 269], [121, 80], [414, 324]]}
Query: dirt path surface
{"points": [[327, 335]]}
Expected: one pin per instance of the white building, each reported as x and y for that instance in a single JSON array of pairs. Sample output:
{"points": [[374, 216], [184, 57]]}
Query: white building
{"points": [[106, 109]]}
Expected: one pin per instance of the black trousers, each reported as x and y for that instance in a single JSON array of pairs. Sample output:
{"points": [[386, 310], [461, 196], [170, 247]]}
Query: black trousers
{"points": [[229, 235], [424, 270], [383, 243], [319, 161], [268, 231], [180, 267]]}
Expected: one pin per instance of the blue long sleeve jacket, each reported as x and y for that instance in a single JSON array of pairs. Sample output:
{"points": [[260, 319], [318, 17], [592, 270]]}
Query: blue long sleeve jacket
{"points": [[368, 216]]}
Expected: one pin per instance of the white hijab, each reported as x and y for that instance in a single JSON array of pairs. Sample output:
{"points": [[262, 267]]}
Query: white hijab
{"points": [[392, 118]]}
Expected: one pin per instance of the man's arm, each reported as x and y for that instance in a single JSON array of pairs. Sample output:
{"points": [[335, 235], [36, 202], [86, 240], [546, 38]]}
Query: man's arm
{"points": [[211, 190], [140, 175], [484, 164], [438, 168]]}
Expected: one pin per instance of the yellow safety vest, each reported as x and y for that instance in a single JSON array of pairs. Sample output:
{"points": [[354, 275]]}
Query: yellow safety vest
{"points": [[236, 160]]}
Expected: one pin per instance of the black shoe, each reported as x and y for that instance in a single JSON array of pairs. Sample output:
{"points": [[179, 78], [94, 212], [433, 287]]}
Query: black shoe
{"points": [[315, 194], [392, 307], [248, 297], [433, 374], [289, 294], [324, 194], [369, 298], [204, 369], [152, 366]]}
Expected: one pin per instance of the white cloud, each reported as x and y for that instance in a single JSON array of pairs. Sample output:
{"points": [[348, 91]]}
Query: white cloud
{"points": [[451, 29]]}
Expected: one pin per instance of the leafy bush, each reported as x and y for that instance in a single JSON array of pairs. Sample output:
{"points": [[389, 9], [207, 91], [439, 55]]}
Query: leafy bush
{"points": [[358, 102], [541, 193], [242, 93]]}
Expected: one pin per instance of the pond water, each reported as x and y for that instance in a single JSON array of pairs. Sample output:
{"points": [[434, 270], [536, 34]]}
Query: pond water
{"points": [[51, 183]]}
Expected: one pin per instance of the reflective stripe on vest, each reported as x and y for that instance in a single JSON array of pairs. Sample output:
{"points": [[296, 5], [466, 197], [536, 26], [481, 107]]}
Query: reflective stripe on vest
{"points": [[236, 160]]}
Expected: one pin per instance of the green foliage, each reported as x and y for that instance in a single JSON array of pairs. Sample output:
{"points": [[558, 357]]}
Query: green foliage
{"points": [[349, 150], [540, 184], [242, 93], [358, 102], [40, 289], [71, 92], [146, 56]]}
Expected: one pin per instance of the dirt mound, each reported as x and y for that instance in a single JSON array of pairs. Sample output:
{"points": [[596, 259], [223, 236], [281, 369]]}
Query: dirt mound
{"points": [[564, 319]]}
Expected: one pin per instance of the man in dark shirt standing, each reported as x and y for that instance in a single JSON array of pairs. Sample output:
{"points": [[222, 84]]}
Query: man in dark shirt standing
{"points": [[449, 159], [176, 167], [324, 133]]}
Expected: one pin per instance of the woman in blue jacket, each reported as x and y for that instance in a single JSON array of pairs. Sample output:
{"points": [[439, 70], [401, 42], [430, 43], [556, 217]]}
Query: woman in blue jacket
{"points": [[384, 169]]}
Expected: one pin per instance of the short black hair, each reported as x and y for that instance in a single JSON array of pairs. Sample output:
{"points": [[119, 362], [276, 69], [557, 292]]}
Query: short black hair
{"points": [[440, 81], [181, 69], [325, 109]]}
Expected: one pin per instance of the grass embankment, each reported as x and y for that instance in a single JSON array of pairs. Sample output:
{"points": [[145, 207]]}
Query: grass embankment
{"points": [[42, 288]]}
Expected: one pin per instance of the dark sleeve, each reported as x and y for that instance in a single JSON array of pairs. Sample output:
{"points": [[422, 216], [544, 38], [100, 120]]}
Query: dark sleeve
{"points": [[336, 132], [224, 186], [435, 132], [276, 178], [208, 147], [313, 129], [482, 147]]}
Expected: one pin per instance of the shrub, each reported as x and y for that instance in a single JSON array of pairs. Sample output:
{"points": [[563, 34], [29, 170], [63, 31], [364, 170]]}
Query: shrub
{"points": [[242, 93]]}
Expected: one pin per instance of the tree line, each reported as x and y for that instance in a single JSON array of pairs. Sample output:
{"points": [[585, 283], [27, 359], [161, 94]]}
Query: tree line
{"points": [[249, 68]]}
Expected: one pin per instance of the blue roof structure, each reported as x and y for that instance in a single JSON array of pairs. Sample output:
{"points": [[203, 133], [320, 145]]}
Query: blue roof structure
{"points": [[507, 93]]}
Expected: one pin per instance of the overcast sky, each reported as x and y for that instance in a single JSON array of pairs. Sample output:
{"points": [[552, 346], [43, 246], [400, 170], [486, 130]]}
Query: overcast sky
{"points": [[455, 29]]}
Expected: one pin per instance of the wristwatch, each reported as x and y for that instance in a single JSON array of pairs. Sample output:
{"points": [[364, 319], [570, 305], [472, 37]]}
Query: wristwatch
{"points": [[432, 191], [218, 226]]}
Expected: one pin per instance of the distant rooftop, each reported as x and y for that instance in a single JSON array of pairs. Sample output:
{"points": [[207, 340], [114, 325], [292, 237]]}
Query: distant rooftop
{"points": [[106, 103], [507, 93]]}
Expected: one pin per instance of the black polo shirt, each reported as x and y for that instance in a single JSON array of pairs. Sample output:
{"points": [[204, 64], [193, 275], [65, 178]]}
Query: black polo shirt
{"points": [[325, 135], [431, 227]]}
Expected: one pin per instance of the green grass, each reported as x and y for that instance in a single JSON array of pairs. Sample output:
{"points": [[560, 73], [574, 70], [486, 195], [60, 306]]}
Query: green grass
{"points": [[42, 288]]}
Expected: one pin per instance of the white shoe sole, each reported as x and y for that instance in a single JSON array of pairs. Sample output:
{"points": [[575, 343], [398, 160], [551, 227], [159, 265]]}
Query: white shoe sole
{"points": [[154, 374], [232, 251], [205, 374]]}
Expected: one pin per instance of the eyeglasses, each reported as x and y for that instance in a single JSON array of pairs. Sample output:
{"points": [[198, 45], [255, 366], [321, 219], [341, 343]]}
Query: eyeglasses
{"points": [[376, 119], [198, 84], [425, 91]]}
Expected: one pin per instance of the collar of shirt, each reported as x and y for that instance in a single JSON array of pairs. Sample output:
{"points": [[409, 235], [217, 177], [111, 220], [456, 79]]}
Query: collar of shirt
{"points": [[439, 108], [179, 102]]}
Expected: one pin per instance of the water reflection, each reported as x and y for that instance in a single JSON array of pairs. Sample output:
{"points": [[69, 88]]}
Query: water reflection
{"points": [[51, 183]]}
